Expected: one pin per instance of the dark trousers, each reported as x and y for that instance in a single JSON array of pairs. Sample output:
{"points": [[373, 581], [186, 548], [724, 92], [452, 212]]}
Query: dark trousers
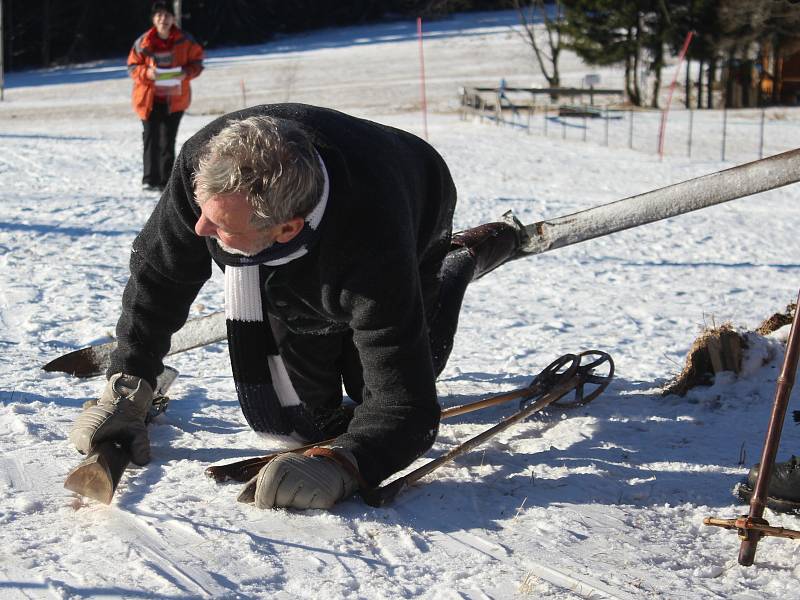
{"points": [[158, 138]]}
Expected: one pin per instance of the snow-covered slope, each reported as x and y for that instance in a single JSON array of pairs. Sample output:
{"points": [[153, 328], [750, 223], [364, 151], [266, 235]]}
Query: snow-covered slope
{"points": [[603, 501]]}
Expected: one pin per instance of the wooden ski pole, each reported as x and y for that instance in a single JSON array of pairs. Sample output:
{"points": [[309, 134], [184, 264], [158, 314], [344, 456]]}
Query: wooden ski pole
{"points": [[244, 470], [575, 381], [383, 495]]}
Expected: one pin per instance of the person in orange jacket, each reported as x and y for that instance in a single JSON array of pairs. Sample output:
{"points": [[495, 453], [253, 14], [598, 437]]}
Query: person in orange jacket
{"points": [[161, 62]]}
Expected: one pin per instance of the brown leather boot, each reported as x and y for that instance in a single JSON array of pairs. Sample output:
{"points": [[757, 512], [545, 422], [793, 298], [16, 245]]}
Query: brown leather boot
{"points": [[491, 244]]}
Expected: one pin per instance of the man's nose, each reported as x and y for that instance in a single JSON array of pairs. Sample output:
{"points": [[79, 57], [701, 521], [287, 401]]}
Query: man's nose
{"points": [[204, 227]]}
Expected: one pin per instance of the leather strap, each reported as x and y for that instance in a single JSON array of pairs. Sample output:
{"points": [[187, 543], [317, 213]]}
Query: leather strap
{"points": [[343, 462]]}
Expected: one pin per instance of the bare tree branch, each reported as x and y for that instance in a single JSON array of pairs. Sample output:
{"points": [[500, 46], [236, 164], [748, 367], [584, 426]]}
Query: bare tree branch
{"points": [[546, 57]]}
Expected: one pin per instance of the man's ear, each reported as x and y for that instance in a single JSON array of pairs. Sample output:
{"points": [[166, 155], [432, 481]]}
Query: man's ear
{"points": [[287, 231]]}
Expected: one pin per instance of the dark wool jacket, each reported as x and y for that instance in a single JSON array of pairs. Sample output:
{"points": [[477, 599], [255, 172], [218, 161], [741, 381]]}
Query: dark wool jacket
{"points": [[373, 270]]}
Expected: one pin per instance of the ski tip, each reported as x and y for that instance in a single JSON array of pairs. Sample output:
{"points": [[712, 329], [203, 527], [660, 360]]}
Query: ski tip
{"points": [[216, 474], [79, 363], [91, 479], [248, 494]]}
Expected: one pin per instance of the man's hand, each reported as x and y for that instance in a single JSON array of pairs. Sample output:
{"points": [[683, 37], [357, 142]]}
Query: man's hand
{"points": [[118, 415], [302, 482]]}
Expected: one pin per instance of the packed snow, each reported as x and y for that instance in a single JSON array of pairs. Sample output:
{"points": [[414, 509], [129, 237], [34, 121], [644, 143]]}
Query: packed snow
{"points": [[605, 501]]}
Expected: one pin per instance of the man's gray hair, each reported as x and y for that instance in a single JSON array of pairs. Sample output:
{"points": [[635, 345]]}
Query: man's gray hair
{"points": [[272, 161]]}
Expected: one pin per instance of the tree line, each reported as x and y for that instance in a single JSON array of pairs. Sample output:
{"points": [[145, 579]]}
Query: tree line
{"points": [[738, 45], [44, 33], [744, 40]]}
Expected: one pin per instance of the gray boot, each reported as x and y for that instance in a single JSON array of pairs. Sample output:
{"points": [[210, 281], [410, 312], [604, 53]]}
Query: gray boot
{"points": [[303, 482]]}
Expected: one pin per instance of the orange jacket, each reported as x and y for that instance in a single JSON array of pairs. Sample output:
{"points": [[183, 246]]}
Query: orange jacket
{"points": [[178, 50]]}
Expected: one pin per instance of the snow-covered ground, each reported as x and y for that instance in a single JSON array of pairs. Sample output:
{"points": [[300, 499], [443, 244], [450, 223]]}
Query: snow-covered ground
{"points": [[603, 501]]}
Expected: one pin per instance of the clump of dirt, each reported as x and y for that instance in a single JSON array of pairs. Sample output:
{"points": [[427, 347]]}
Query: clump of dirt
{"points": [[717, 349], [777, 320]]}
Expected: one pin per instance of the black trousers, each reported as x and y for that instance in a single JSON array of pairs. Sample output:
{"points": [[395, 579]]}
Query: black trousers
{"points": [[158, 139], [318, 365]]}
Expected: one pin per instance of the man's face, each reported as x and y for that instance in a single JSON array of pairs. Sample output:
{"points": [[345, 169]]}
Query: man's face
{"points": [[163, 21], [228, 218]]}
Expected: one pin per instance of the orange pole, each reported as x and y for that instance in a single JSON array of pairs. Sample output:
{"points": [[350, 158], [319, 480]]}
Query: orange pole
{"points": [[665, 112]]}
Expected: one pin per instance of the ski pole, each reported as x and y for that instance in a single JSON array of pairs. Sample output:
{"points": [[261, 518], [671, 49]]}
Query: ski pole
{"points": [[574, 381], [244, 470], [557, 384]]}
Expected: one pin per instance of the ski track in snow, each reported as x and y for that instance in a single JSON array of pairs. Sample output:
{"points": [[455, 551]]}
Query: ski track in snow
{"points": [[605, 501]]}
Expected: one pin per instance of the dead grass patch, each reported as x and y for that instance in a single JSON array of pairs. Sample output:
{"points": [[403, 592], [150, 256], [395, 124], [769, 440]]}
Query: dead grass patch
{"points": [[716, 349], [777, 320]]}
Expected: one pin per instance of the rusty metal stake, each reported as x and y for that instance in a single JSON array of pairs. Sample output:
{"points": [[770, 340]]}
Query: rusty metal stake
{"points": [[753, 527], [745, 523]]}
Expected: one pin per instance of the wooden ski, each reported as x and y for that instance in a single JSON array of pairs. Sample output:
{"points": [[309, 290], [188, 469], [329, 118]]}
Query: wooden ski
{"points": [[543, 236], [93, 360]]}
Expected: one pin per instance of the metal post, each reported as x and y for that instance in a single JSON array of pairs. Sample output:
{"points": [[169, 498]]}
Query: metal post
{"points": [[584, 128], [553, 233], [606, 126], [761, 135], [545, 120], [724, 130], [630, 130], [691, 127], [662, 130]]}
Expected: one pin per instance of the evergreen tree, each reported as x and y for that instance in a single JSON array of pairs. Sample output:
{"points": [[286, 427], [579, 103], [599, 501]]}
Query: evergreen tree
{"points": [[608, 32]]}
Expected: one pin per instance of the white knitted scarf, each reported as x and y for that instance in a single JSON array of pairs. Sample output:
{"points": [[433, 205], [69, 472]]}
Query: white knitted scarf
{"points": [[265, 391]]}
